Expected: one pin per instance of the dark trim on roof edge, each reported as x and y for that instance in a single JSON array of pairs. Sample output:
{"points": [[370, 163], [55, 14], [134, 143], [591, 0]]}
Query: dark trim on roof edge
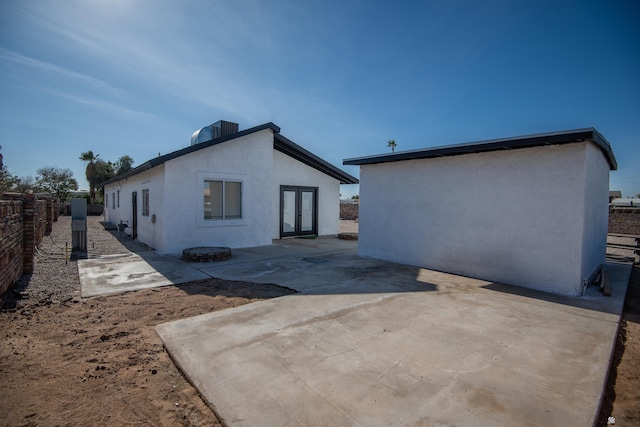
{"points": [[280, 143], [290, 148], [187, 150], [552, 138]]}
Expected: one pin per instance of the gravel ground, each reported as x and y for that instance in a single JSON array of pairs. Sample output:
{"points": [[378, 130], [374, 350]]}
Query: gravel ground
{"points": [[54, 279], [72, 361]]}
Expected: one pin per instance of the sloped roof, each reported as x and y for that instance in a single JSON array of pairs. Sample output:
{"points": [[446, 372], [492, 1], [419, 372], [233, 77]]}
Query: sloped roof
{"points": [[290, 148], [280, 143], [552, 138]]}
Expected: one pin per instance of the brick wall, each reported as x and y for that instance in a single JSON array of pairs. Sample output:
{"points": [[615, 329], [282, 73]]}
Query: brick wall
{"points": [[349, 211], [11, 243], [624, 221], [24, 221]]}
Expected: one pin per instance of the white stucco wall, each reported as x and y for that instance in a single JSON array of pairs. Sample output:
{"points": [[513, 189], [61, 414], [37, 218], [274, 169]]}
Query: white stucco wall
{"points": [[517, 217], [153, 180], [596, 210], [247, 159], [176, 196], [288, 171]]}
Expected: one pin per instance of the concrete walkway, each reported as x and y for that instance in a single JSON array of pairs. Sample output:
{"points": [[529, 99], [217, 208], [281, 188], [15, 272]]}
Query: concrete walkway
{"points": [[367, 342], [112, 274]]}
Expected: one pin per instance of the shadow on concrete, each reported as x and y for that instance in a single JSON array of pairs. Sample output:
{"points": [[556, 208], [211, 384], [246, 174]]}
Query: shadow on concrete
{"points": [[228, 288], [317, 272], [325, 266], [593, 298]]}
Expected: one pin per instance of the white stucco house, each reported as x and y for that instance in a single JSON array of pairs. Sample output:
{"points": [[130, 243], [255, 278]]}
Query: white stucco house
{"points": [[529, 211], [228, 188]]}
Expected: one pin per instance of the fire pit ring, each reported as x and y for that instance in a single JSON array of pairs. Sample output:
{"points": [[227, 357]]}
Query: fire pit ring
{"points": [[206, 254]]}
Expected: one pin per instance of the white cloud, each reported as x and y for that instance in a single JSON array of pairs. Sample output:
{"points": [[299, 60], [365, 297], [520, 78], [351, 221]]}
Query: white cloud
{"points": [[49, 68], [160, 46], [217, 58], [125, 112]]}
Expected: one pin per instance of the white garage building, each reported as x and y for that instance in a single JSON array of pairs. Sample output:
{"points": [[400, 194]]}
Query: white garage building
{"points": [[228, 188], [529, 211]]}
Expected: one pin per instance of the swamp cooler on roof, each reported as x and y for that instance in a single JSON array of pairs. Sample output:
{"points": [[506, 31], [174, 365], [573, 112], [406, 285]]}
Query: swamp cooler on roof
{"points": [[213, 131]]}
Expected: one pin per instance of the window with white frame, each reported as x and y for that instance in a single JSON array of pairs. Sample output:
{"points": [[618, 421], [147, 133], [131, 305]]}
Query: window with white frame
{"points": [[222, 199], [118, 198], [106, 199], [145, 202], [113, 200]]}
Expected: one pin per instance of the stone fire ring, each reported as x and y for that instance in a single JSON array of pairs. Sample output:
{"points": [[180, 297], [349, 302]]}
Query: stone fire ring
{"points": [[206, 254], [348, 236]]}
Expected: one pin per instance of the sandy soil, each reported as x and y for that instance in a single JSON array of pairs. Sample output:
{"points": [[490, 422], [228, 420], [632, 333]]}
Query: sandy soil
{"points": [[622, 397], [99, 361], [69, 361]]}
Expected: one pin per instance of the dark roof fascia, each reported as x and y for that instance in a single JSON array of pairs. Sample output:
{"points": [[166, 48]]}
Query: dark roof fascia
{"points": [[290, 148], [552, 138], [187, 150]]}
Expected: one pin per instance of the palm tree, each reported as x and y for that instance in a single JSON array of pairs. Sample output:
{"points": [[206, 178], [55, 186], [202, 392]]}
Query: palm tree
{"points": [[90, 173], [392, 144]]}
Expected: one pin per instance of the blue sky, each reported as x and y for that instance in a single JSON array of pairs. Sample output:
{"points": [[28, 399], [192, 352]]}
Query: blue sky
{"points": [[340, 78]]}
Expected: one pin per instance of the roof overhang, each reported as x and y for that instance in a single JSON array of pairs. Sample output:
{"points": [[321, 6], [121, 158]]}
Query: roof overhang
{"points": [[162, 159], [553, 138], [291, 149], [280, 143]]}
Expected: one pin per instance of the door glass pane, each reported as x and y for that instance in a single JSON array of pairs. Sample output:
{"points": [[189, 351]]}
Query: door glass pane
{"points": [[289, 212], [307, 211], [232, 200]]}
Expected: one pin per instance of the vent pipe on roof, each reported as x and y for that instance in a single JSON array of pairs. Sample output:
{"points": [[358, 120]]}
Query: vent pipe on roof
{"points": [[213, 131]]}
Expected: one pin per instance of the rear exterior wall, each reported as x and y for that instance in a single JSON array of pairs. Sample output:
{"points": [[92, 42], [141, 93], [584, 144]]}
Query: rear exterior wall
{"points": [[290, 172], [249, 160], [596, 210], [516, 217], [119, 206]]}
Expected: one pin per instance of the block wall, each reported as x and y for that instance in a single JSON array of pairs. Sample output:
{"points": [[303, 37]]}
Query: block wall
{"points": [[624, 221], [24, 221], [11, 243], [349, 211]]}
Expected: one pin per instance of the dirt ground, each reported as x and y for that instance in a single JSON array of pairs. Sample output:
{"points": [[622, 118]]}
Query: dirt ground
{"points": [[622, 396], [99, 361], [72, 361]]}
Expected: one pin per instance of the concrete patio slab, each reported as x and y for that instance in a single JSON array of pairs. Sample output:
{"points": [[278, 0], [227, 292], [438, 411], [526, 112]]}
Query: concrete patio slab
{"points": [[133, 271], [319, 266], [367, 342]]}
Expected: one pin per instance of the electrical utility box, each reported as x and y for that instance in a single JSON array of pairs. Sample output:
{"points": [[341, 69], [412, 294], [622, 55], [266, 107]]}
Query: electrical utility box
{"points": [[79, 224]]}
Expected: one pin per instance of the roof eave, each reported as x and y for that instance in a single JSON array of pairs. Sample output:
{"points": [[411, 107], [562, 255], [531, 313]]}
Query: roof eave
{"points": [[290, 148], [554, 138], [192, 148]]}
